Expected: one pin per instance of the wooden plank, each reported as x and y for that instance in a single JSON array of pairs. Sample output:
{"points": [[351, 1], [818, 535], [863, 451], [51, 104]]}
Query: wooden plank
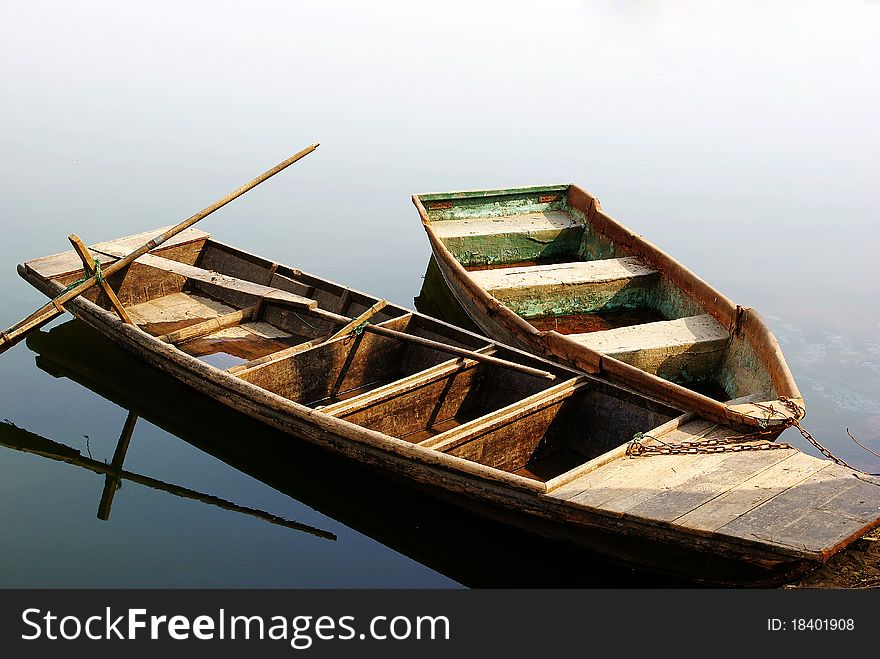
{"points": [[763, 486], [815, 515], [530, 223], [321, 372], [402, 386], [128, 244], [666, 479], [237, 263], [344, 301], [567, 486], [177, 307], [571, 288], [210, 326], [611, 472], [695, 344], [66, 263], [509, 446], [291, 285], [846, 515], [691, 431], [194, 273], [707, 484], [280, 355], [869, 491], [421, 406], [640, 479], [507, 414], [561, 274]]}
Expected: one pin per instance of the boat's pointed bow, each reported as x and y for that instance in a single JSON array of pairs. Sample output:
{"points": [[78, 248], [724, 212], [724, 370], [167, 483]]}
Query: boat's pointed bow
{"points": [[782, 411]]}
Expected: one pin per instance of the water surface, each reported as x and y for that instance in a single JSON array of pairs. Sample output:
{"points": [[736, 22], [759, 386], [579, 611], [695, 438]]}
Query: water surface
{"points": [[742, 140]]}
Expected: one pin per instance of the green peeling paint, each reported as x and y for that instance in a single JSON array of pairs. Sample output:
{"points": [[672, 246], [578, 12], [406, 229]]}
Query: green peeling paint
{"points": [[562, 301], [494, 203], [514, 247]]}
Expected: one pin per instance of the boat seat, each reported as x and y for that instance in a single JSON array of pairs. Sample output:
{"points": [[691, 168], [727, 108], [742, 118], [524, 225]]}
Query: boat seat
{"points": [[510, 238], [69, 263], [685, 349], [531, 223], [571, 288]]}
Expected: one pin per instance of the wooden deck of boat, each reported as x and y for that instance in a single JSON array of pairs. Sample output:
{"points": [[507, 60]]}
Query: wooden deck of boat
{"points": [[780, 497]]}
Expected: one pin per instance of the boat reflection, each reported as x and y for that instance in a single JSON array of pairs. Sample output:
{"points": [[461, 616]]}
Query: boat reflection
{"points": [[19, 439], [467, 548], [437, 300]]}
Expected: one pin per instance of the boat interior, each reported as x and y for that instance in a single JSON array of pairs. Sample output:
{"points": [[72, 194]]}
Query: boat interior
{"points": [[539, 255], [252, 317]]}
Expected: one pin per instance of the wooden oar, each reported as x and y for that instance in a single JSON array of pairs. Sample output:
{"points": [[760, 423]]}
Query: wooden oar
{"points": [[55, 307], [429, 343]]}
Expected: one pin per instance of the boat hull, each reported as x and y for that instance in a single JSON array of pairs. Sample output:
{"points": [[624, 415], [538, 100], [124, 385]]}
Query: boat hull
{"points": [[749, 365]]}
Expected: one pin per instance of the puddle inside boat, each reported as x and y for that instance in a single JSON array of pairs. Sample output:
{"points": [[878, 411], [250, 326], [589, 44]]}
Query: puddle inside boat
{"points": [[595, 322]]}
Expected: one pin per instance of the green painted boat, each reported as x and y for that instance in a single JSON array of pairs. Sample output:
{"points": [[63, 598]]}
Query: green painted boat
{"points": [[546, 269]]}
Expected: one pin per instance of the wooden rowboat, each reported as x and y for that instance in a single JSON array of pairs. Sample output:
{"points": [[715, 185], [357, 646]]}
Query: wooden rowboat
{"points": [[490, 431], [471, 549], [547, 270]]}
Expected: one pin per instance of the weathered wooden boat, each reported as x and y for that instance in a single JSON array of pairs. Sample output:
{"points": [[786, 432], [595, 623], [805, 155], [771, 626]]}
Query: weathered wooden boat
{"points": [[547, 270], [490, 430], [471, 549]]}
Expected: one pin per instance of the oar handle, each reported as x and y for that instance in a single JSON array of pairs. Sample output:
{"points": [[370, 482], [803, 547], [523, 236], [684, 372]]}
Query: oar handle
{"points": [[430, 343]]}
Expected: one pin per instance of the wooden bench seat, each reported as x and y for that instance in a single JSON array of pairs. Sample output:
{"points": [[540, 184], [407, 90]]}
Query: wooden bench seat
{"points": [[67, 263], [571, 288], [218, 280], [531, 223], [683, 349], [511, 238]]}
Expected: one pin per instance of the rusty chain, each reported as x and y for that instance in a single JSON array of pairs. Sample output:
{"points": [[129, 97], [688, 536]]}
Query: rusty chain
{"points": [[732, 444], [798, 413], [736, 443]]}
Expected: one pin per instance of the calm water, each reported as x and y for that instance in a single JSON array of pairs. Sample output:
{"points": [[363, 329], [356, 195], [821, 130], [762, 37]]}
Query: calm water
{"points": [[741, 140]]}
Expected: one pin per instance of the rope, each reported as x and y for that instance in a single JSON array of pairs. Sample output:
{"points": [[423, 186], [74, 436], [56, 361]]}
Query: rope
{"points": [[98, 274], [357, 331]]}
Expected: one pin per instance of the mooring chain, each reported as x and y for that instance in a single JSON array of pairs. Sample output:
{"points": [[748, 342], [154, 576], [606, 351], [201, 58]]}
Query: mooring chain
{"points": [[735, 443], [732, 444], [798, 413]]}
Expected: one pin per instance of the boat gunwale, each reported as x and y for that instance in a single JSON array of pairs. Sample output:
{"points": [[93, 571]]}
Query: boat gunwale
{"points": [[483, 194]]}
